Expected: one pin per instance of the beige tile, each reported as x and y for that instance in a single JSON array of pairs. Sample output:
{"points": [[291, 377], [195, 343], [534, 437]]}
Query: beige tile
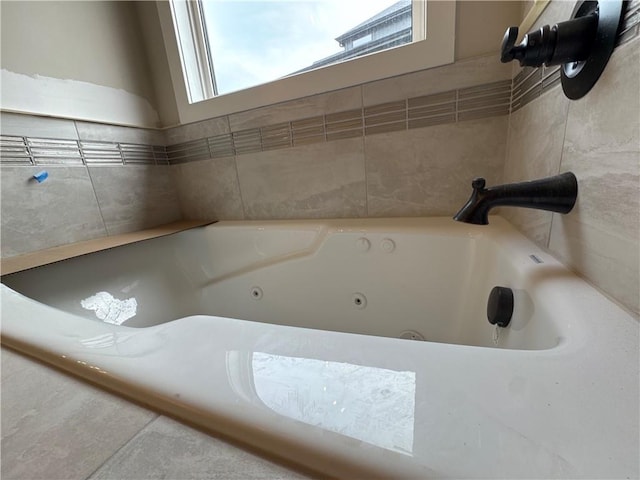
{"points": [[135, 197], [556, 11], [209, 189], [197, 130], [168, 449], [33, 126], [12, 364], [466, 73], [536, 134], [61, 210], [315, 181], [331, 102], [99, 132], [610, 262], [429, 171], [56, 427], [535, 224], [601, 237], [534, 150]]}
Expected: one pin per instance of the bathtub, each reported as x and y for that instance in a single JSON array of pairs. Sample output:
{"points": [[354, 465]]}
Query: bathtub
{"points": [[354, 348]]}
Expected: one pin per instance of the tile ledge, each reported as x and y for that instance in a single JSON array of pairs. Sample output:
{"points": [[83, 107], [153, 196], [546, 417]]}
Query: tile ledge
{"points": [[55, 254]]}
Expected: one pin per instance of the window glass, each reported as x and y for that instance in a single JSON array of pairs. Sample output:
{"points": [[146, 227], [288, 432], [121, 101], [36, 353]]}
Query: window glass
{"points": [[253, 42]]}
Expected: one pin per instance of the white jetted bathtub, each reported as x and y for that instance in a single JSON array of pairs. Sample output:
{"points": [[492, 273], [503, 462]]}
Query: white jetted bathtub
{"points": [[299, 338]]}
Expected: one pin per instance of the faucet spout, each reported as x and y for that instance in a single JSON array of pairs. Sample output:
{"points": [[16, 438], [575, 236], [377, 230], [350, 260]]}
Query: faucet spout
{"points": [[554, 194]]}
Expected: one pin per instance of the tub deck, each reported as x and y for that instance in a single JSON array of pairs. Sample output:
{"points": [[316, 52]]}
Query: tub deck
{"points": [[20, 263]]}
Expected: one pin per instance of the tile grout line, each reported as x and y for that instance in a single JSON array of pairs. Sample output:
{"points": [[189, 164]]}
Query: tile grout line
{"points": [[364, 155], [93, 187], [124, 445], [564, 138], [235, 166]]}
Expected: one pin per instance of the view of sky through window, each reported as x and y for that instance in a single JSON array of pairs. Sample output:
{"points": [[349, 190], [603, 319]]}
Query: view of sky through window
{"points": [[253, 42]]}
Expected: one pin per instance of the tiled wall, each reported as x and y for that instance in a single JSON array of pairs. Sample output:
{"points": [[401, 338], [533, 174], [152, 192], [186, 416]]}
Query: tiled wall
{"points": [[408, 145], [103, 180], [598, 138]]}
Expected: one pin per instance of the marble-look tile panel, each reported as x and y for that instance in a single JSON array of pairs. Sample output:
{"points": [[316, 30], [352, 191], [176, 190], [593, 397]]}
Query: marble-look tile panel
{"points": [[610, 262], [168, 449], [135, 197], [324, 180], [33, 126], [63, 209], [322, 104], [11, 364], [601, 237], [462, 74], [534, 150], [209, 189], [197, 130], [429, 171], [100, 132], [57, 427]]}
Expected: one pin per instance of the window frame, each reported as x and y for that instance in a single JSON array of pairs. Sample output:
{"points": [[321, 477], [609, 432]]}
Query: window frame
{"points": [[195, 54], [437, 17]]}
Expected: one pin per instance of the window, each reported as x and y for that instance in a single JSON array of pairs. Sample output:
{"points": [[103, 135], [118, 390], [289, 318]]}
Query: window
{"points": [[252, 53], [228, 45], [195, 53], [363, 40]]}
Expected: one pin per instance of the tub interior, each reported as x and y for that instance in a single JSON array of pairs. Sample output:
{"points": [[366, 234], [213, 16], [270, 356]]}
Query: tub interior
{"points": [[406, 283]]}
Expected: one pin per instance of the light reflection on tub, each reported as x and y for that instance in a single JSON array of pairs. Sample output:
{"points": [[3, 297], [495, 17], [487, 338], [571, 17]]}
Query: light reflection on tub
{"points": [[110, 309], [371, 404]]}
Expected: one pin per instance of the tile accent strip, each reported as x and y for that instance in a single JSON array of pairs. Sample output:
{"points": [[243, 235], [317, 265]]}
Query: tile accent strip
{"points": [[310, 130], [47, 151], [447, 107], [432, 109], [630, 24], [14, 151], [484, 101], [492, 99]]}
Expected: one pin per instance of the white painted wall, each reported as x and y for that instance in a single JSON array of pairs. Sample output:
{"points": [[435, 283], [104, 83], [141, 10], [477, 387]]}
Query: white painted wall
{"points": [[159, 66], [78, 59]]}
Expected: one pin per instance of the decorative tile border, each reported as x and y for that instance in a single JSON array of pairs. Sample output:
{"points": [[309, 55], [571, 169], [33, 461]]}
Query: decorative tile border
{"points": [[447, 107], [630, 24], [482, 101], [27, 151], [182, 152], [530, 83]]}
